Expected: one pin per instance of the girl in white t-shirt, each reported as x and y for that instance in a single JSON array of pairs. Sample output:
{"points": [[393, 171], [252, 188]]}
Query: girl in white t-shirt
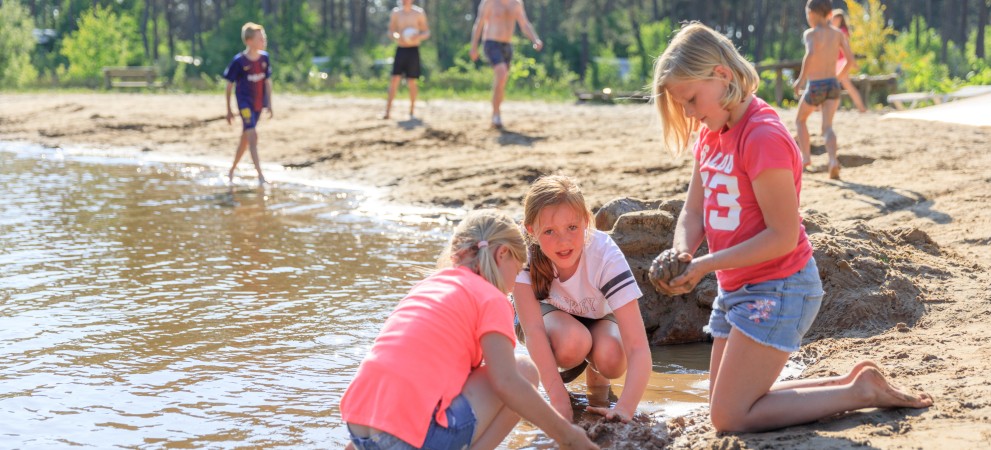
{"points": [[577, 300]]}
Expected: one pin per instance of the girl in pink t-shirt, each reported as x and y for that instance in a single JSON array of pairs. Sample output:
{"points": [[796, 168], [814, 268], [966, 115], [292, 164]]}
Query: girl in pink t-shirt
{"points": [[743, 199], [424, 384], [843, 67]]}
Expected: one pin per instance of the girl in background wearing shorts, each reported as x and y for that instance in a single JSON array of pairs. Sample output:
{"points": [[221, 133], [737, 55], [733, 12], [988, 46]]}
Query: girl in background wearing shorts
{"points": [[577, 301], [743, 198], [423, 383]]}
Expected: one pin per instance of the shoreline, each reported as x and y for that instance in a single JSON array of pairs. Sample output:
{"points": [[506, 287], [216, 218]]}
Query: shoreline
{"points": [[898, 176]]}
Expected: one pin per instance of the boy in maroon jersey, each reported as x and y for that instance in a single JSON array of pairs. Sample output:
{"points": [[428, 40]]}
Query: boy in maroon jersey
{"points": [[249, 74]]}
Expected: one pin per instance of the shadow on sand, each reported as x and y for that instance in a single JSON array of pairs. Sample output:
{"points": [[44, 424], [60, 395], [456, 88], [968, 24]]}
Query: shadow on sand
{"points": [[507, 137]]}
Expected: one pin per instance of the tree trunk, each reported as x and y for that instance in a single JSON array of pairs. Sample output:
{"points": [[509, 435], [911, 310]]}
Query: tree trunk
{"points": [[641, 50], [144, 29], [170, 24], [962, 36], [154, 29], [982, 23], [760, 30]]}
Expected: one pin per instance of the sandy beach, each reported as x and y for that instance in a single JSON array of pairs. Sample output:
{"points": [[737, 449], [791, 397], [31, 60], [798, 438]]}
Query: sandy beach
{"points": [[909, 221]]}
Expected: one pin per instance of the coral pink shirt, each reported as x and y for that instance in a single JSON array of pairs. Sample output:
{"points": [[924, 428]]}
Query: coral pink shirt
{"points": [[422, 357], [728, 162]]}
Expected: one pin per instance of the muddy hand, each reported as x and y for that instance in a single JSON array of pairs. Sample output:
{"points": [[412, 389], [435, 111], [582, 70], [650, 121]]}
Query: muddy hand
{"points": [[609, 413]]}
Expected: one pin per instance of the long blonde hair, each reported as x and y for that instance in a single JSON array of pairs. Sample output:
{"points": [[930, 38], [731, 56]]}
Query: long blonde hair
{"points": [[550, 190], [693, 55], [496, 229]]}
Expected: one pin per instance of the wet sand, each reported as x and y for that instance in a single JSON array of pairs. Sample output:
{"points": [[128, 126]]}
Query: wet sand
{"points": [[914, 193]]}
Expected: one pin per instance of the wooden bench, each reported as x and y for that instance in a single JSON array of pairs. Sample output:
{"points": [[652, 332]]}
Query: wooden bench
{"points": [[130, 77], [899, 100], [607, 96], [779, 67]]}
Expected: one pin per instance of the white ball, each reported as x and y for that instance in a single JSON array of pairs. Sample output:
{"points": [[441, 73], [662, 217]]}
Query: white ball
{"points": [[410, 33]]}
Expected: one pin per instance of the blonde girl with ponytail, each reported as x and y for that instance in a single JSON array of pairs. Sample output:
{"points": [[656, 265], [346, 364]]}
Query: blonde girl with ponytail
{"points": [[442, 372]]}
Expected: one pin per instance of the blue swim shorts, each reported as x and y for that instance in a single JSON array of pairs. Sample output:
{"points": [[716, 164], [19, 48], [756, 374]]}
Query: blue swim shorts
{"points": [[818, 91], [460, 429], [775, 313], [498, 52], [249, 117]]}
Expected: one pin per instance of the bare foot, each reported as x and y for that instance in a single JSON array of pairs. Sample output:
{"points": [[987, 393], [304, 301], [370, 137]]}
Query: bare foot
{"points": [[834, 171], [850, 377], [230, 176], [384, 115], [879, 393], [261, 181]]}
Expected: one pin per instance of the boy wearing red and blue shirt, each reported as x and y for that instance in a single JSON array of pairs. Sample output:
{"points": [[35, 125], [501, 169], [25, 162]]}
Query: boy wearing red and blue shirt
{"points": [[251, 73]]}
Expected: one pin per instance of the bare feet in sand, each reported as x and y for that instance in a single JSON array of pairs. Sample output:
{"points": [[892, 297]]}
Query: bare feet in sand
{"points": [[834, 170], [879, 393]]}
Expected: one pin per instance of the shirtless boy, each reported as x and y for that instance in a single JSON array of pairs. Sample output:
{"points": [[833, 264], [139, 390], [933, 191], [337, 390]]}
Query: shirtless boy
{"points": [[495, 23], [823, 44], [408, 27]]}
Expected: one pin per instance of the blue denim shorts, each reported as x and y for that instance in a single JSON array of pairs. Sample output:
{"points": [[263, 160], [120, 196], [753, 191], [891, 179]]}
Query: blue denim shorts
{"points": [[457, 435], [776, 313]]}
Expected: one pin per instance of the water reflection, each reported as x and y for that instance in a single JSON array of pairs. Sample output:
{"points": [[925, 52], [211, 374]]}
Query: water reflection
{"points": [[147, 304]]}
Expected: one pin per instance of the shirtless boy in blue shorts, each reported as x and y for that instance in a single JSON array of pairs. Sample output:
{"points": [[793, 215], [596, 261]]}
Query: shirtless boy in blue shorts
{"points": [[823, 44], [495, 23]]}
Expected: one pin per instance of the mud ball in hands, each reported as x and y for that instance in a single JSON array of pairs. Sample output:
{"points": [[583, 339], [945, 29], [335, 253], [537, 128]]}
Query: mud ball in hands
{"points": [[665, 268]]}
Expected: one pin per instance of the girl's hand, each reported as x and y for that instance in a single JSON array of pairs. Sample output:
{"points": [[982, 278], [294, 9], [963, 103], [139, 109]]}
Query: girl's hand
{"points": [[577, 439], [610, 414], [665, 282], [686, 282]]}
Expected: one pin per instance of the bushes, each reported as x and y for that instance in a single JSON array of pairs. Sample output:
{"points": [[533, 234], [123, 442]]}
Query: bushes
{"points": [[16, 45], [103, 39]]}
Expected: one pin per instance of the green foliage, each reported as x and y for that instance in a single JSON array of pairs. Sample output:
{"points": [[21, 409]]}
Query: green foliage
{"points": [[104, 38], [221, 44], [868, 35], [16, 45]]}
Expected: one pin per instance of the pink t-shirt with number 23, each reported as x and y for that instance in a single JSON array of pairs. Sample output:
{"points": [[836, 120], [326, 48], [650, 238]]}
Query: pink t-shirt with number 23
{"points": [[728, 162]]}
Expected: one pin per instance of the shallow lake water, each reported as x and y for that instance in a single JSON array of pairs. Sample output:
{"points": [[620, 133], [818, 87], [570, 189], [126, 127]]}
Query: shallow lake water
{"points": [[148, 304]]}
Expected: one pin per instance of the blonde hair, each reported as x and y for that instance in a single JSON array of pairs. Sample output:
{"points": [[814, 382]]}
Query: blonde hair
{"points": [[249, 30], [838, 12], [693, 55], [550, 190], [497, 230]]}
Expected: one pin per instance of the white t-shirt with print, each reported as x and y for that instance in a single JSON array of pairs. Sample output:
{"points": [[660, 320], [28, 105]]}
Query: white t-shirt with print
{"points": [[602, 284]]}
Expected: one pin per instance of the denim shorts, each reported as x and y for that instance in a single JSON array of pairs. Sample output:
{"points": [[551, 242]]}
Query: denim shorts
{"points": [[775, 313], [457, 435]]}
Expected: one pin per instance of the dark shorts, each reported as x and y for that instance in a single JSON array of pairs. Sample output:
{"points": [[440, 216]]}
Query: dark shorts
{"points": [[818, 91], [249, 117], [498, 52], [547, 308], [461, 423], [407, 62]]}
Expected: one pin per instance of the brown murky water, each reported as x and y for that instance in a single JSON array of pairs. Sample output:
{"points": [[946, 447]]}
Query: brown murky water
{"points": [[145, 304]]}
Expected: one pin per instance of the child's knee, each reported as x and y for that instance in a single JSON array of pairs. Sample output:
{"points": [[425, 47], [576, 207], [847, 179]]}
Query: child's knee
{"points": [[727, 419], [526, 368]]}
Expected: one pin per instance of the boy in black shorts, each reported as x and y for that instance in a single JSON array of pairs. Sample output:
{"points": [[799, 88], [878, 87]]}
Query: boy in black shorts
{"points": [[408, 27]]}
